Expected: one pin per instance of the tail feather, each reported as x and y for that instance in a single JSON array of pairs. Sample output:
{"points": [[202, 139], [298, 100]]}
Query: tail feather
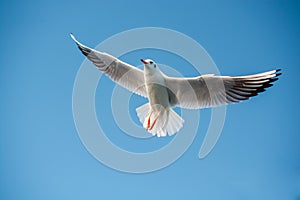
{"points": [[168, 121], [175, 122], [143, 112]]}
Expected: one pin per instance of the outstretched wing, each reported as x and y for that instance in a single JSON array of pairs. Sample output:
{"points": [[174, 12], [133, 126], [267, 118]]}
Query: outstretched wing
{"points": [[122, 73], [210, 90]]}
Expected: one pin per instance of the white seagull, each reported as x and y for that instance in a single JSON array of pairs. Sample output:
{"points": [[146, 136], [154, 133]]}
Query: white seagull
{"points": [[164, 92]]}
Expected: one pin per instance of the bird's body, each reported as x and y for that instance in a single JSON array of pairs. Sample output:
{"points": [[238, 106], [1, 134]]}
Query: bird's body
{"points": [[163, 92], [156, 89], [160, 116]]}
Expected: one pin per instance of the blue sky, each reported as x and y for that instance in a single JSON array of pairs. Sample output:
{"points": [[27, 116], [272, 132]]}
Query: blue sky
{"points": [[41, 155]]}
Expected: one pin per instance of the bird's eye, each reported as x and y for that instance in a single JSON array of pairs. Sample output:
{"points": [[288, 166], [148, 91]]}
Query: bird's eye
{"points": [[151, 62], [154, 66]]}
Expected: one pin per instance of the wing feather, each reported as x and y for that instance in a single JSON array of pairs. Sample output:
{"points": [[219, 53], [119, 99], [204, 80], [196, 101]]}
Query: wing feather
{"points": [[122, 73], [210, 90]]}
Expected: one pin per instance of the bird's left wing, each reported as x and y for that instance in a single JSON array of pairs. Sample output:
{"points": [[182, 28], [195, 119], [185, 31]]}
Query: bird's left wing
{"points": [[211, 91], [122, 73]]}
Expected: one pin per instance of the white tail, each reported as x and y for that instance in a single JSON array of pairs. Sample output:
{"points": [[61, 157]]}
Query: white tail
{"points": [[159, 121]]}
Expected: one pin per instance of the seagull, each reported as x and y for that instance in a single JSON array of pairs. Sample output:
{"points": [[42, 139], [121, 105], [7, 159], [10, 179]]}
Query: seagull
{"points": [[164, 92]]}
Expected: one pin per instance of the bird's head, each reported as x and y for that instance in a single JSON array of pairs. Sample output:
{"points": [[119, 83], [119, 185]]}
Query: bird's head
{"points": [[150, 65]]}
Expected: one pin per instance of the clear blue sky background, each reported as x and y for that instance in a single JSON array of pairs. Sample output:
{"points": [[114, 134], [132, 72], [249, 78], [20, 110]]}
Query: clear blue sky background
{"points": [[41, 155]]}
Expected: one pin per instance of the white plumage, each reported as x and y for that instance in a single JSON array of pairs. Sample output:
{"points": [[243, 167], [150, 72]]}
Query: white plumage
{"points": [[164, 92]]}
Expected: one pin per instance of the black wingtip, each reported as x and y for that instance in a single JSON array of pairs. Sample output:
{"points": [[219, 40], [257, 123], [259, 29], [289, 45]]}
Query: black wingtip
{"points": [[273, 80], [259, 90], [85, 50], [278, 72]]}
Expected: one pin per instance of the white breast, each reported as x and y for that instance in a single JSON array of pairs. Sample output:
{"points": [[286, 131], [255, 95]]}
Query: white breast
{"points": [[156, 90]]}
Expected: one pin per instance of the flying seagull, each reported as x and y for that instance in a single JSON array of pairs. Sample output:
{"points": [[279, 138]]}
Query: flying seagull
{"points": [[164, 92]]}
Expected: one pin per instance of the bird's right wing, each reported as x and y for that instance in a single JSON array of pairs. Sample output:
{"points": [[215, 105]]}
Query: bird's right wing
{"points": [[211, 91], [122, 73]]}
